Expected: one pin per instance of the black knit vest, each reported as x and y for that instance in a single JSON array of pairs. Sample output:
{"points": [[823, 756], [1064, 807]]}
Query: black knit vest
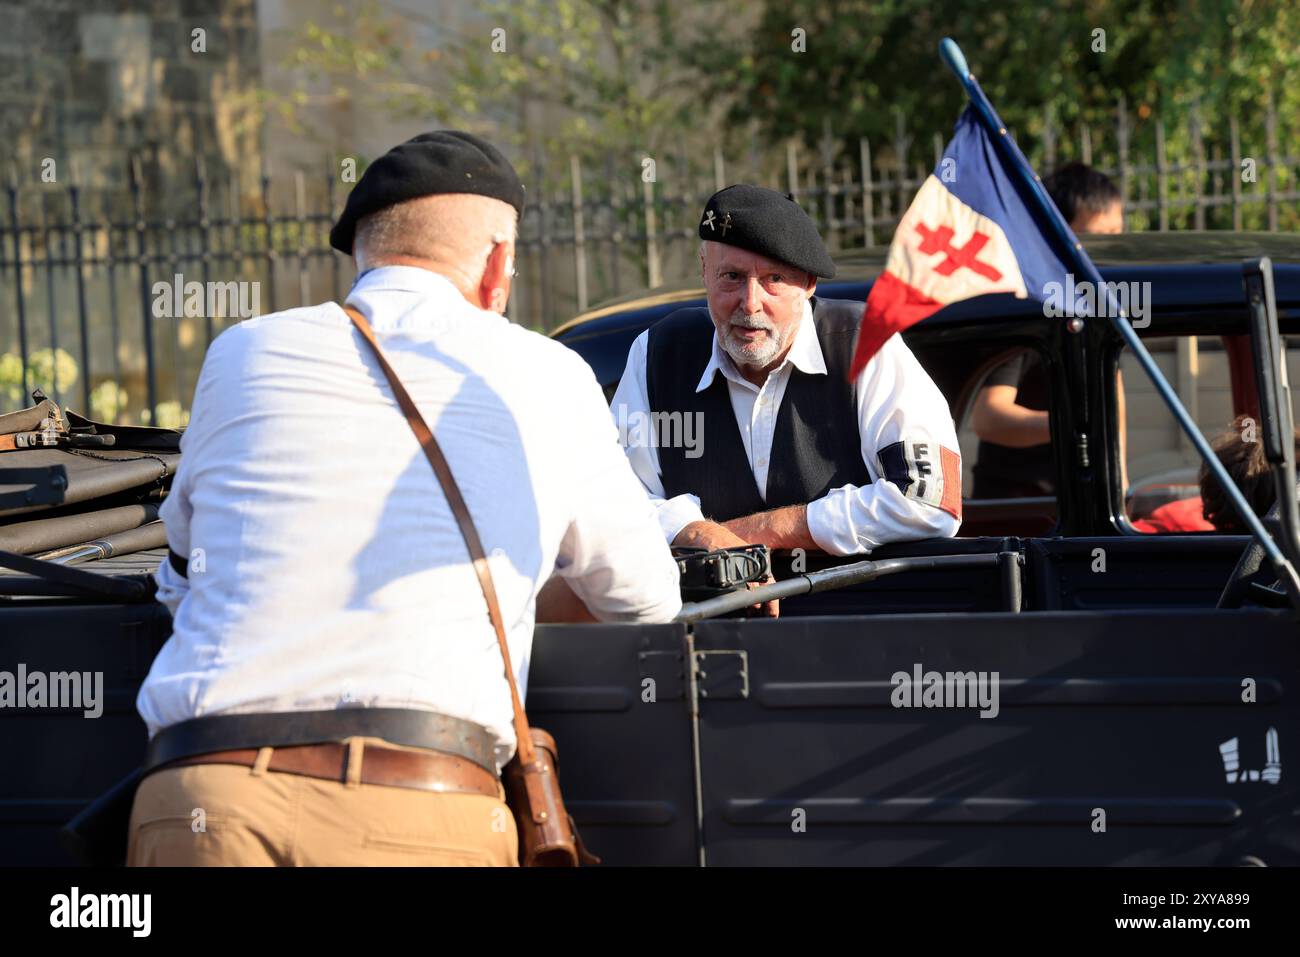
{"points": [[816, 446]]}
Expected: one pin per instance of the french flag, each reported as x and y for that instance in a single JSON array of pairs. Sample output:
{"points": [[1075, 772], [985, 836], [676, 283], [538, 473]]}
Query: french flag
{"points": [[968, 232]]}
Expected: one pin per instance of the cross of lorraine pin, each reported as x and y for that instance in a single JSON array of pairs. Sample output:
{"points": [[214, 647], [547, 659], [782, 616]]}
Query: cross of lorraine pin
{"points": [[726, 223]]}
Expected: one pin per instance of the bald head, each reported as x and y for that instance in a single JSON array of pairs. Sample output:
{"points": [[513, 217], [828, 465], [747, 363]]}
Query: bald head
{"points": [[468, 239]]}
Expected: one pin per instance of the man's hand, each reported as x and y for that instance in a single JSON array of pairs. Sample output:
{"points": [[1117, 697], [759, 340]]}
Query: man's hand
{"points": [[767, 609], [708, 535], [713, 536]]}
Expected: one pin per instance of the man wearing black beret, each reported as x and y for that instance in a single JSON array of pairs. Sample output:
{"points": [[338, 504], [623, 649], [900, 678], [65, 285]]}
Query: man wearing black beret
{"points": [[783, 450], [333, 691]]}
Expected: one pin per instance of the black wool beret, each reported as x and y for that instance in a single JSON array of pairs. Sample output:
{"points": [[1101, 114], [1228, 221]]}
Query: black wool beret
{"points": [[769, 223], [431, 164]]}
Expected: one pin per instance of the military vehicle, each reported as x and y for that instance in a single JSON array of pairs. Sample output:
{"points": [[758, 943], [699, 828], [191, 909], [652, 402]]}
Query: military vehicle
{"points": [[1054, 686]]}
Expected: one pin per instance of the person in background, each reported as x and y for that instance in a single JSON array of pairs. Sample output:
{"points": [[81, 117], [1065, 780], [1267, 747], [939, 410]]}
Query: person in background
{"points": [[1250, 471], [1010, 412]]}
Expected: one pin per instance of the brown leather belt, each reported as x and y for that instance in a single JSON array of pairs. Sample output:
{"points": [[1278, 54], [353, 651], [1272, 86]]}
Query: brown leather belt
{"points": [[422, 770]]}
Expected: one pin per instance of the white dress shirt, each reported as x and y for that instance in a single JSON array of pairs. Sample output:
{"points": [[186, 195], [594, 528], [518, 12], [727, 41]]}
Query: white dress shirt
{"points": [[897, 401], [326, 569]]}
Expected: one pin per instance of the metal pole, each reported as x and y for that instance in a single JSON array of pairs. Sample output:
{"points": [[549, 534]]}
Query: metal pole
{"points": [[1083, 265], [114, 321], [654, 276], [300, 211], [142, 263], [1270, 132], [792, 169], [868, 197], [901, 143], [74, 195], [50, 300], [335, 257], [1121, 130], [1009, 566], [174, 260], [1198, 161], [579, 232], [682, 170], [1234, 138], [1162, 177], [268, 222], [546, 314], [205, 238], [831, 224], [17, 233], [1049, 139], [830, 579], [613, 184], [235, 197]]}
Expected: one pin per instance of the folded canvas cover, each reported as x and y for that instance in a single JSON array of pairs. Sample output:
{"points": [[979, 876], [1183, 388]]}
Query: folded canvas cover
{"points": [[67, 494]]}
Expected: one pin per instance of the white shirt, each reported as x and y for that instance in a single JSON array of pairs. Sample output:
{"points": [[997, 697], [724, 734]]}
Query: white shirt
{"points": [[897, 402], [326, 570]]}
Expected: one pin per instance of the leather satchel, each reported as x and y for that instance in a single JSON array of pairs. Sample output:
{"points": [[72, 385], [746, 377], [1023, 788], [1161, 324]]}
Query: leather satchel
{"points": [[547, 835]]}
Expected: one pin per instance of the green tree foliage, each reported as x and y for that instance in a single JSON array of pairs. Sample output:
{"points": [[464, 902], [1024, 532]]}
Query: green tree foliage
{"points": [[595, 77], [562, 76], [867, 59]]}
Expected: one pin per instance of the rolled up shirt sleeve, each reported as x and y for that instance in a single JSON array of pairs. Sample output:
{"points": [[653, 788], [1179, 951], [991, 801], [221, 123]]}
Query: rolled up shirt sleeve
{"points": [[613, 555], [909, 445], [631, 411]]}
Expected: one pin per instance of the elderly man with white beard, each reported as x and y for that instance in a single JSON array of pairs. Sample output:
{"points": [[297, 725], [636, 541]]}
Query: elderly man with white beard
{"points": [[788, 452]]}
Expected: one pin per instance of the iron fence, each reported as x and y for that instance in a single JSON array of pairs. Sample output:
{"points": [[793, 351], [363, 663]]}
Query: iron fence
{"points": [[97, 309]]}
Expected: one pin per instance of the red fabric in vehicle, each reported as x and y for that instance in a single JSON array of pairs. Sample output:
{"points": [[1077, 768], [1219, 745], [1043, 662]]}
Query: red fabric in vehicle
{"points": [[1183, 515]]}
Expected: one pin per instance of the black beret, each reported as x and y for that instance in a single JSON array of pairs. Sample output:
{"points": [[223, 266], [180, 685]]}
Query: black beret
{"points": [[769, 223], [431, 164]]}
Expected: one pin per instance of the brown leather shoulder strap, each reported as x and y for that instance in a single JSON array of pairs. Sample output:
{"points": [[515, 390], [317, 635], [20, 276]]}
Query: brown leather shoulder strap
{"points": [[463, 519]]}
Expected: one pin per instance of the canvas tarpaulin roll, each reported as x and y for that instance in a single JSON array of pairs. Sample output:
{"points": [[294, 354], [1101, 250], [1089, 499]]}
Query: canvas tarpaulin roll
{"points": [[144, 538], [42, 535], [91, 475]]}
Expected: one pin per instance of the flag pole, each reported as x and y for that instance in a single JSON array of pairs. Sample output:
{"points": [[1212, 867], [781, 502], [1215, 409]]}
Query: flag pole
{"points": [[1080, 262]]}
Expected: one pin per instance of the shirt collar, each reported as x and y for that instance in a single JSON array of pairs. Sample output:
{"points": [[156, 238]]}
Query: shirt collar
{"points": [[397, 299], [402, 279], [805, 354]]}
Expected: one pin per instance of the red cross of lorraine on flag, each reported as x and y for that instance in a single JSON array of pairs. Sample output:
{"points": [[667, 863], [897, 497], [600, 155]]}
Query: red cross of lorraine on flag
{"points": [[943, 251], [957, 257]]}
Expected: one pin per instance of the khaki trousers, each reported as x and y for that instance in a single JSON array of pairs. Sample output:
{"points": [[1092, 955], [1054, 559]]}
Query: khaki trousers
{"points": [[221, 814]]}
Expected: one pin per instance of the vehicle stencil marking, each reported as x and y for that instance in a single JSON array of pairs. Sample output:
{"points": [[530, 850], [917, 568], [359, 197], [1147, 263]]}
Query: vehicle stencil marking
{"points": [[1272, 773]]}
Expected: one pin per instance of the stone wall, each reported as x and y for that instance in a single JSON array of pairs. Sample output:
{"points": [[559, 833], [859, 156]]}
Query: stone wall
{"points": [[91, 83]]}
